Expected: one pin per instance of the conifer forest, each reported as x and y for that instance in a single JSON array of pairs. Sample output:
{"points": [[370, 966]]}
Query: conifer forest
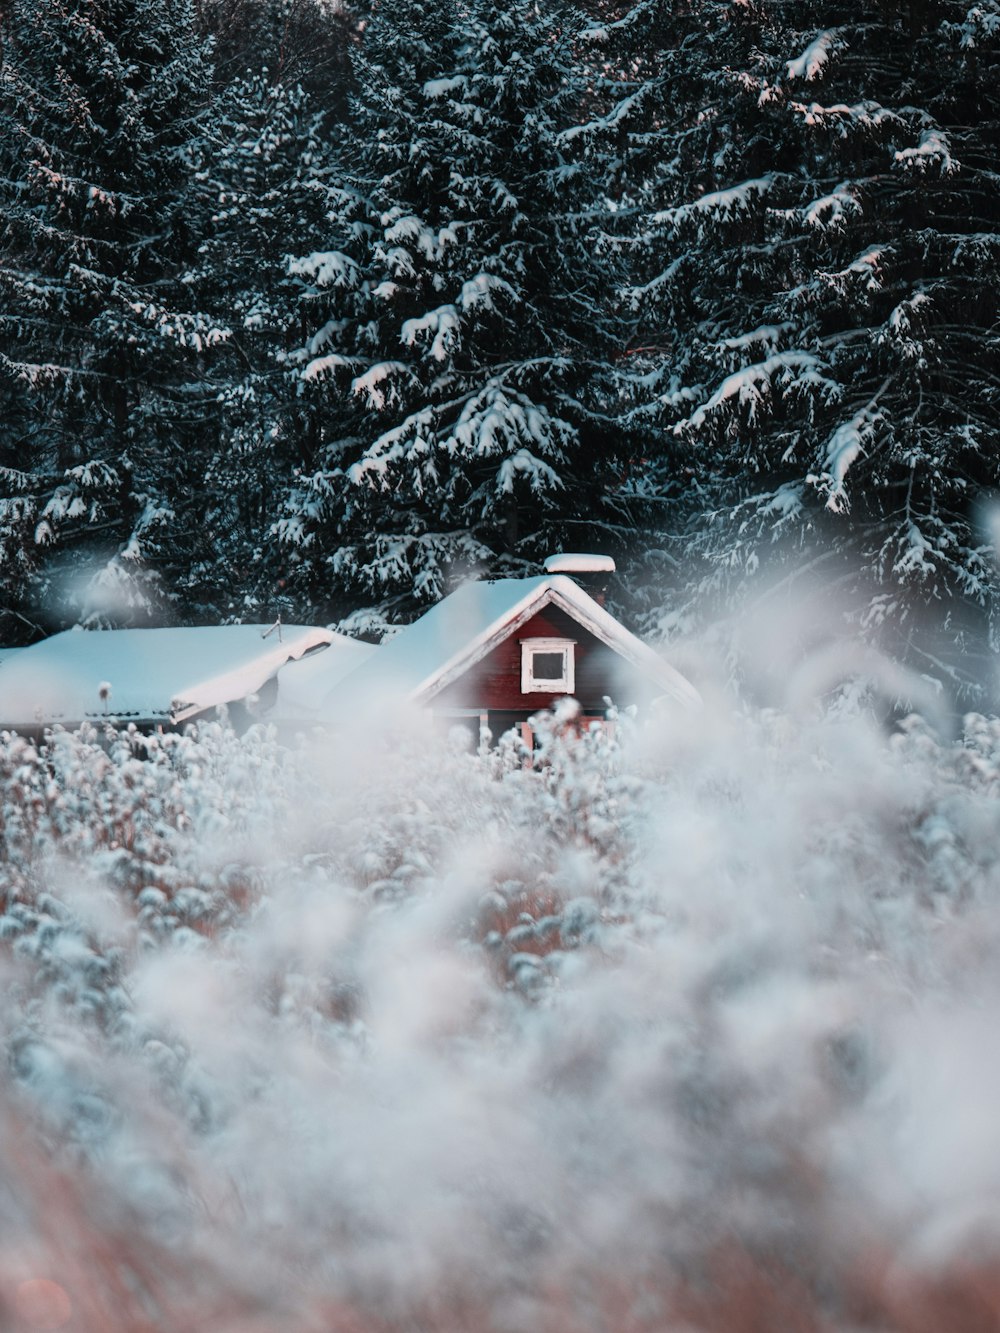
{"points": [[680, 1020], [315, 310]]}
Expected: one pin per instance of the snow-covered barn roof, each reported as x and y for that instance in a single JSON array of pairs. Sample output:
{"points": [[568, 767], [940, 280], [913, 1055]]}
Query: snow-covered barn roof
{"points": [[427, 656], [147, 675], [304, 685]]}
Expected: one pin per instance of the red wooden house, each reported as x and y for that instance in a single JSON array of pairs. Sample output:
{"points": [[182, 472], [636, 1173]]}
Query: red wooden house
{"points": [[495, 653]]}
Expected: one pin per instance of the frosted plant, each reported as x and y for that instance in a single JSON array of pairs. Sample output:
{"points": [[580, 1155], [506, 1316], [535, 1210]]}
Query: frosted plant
{"points": [[378, 1027]]}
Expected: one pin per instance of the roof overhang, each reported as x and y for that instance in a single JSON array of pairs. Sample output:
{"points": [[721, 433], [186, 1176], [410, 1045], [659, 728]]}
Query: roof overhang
{"points": [[245, 680], [563, 593]]}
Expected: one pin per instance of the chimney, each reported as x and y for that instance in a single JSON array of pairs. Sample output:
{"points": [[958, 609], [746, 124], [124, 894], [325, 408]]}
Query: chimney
{"points": [[592, 572]]}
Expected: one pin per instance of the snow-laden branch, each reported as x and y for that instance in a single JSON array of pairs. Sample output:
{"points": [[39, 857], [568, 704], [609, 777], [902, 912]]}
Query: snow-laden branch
{"points": [[866, 115], [322, 366], [442, 327], [931, 153], [497, 422], [326, 268], [831, 212], [844, 447], [372, 384], [733, 200], [753, 387], [814, 59]]}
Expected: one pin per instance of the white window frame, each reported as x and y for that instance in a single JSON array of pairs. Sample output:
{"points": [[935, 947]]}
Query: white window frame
{"points": [[566, 684]]}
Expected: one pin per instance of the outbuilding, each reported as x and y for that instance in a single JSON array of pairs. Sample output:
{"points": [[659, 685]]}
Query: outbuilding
{"points": [[162, 677]]}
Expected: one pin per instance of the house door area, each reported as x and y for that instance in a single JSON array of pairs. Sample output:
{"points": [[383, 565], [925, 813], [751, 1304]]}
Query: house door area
{"points": [[470, 723]]}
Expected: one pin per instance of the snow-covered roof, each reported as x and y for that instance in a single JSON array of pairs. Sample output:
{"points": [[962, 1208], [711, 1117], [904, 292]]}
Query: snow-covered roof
{"points": [[427, 656], [146, 675], [579, 562], [305, 685]]}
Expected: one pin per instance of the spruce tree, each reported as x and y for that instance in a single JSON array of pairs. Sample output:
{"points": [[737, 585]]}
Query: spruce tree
{"points": [[261, 188], [302, 43], [99, 105], [816, 304], [462, 337]]}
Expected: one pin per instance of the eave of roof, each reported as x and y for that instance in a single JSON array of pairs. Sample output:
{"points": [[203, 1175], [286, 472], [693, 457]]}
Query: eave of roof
{"points": [[561, 591], [461, 630], [248, 678], [157, 676]]}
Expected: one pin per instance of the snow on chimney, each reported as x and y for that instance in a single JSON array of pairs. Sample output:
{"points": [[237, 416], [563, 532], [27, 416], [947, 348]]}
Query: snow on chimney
{"points": [[592, 572]]}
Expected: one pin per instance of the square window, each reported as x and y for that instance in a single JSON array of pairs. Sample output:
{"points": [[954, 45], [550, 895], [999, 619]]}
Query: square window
{"points": [[547, 666]]}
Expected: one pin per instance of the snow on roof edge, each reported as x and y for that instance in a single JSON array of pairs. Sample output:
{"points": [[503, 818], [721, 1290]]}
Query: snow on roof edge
{"points": [[581, 606], [579, 562], [478, 646], [50, 684], [228, 686], [603, 625], [304, 684]]}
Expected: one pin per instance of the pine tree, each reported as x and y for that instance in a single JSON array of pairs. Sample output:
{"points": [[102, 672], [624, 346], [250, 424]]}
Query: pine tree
{"points": [[99, 105], [463, 341], [816, 334], [262, 185], [302, 43]]}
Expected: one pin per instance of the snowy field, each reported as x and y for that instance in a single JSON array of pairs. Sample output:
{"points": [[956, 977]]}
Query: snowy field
{"points": [[689, 1030]]}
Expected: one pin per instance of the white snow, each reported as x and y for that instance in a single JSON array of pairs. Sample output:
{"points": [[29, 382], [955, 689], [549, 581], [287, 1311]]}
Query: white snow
{"points": [[409, 227], [830, 211], [462, 629], [734, 199], [981, 24], [325, 365], [497, 421], [521, 967], [867, 265], [478, 291], [904, 327], [574, 562], [443, 323], [603, 123], [900, 320], [435, 88], [305, 683], [843, 449], [785, 502], [407, 440], [809, 65], [867, 113], [368, 383], [752, 386], [523, 463], [919, 556], [932, 152], [145, 675], [768, 335], [327, 268]]}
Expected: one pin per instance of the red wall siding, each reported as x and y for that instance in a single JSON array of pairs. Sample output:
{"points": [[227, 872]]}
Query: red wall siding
{"points": [[495, 682]]}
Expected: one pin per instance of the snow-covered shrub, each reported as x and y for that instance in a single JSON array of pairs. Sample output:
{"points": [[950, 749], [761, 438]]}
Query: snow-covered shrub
{"points": [[677, 1026]]}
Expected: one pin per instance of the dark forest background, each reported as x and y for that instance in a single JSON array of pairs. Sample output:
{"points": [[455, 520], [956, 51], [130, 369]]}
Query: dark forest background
{"points": [[314, 309]]}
